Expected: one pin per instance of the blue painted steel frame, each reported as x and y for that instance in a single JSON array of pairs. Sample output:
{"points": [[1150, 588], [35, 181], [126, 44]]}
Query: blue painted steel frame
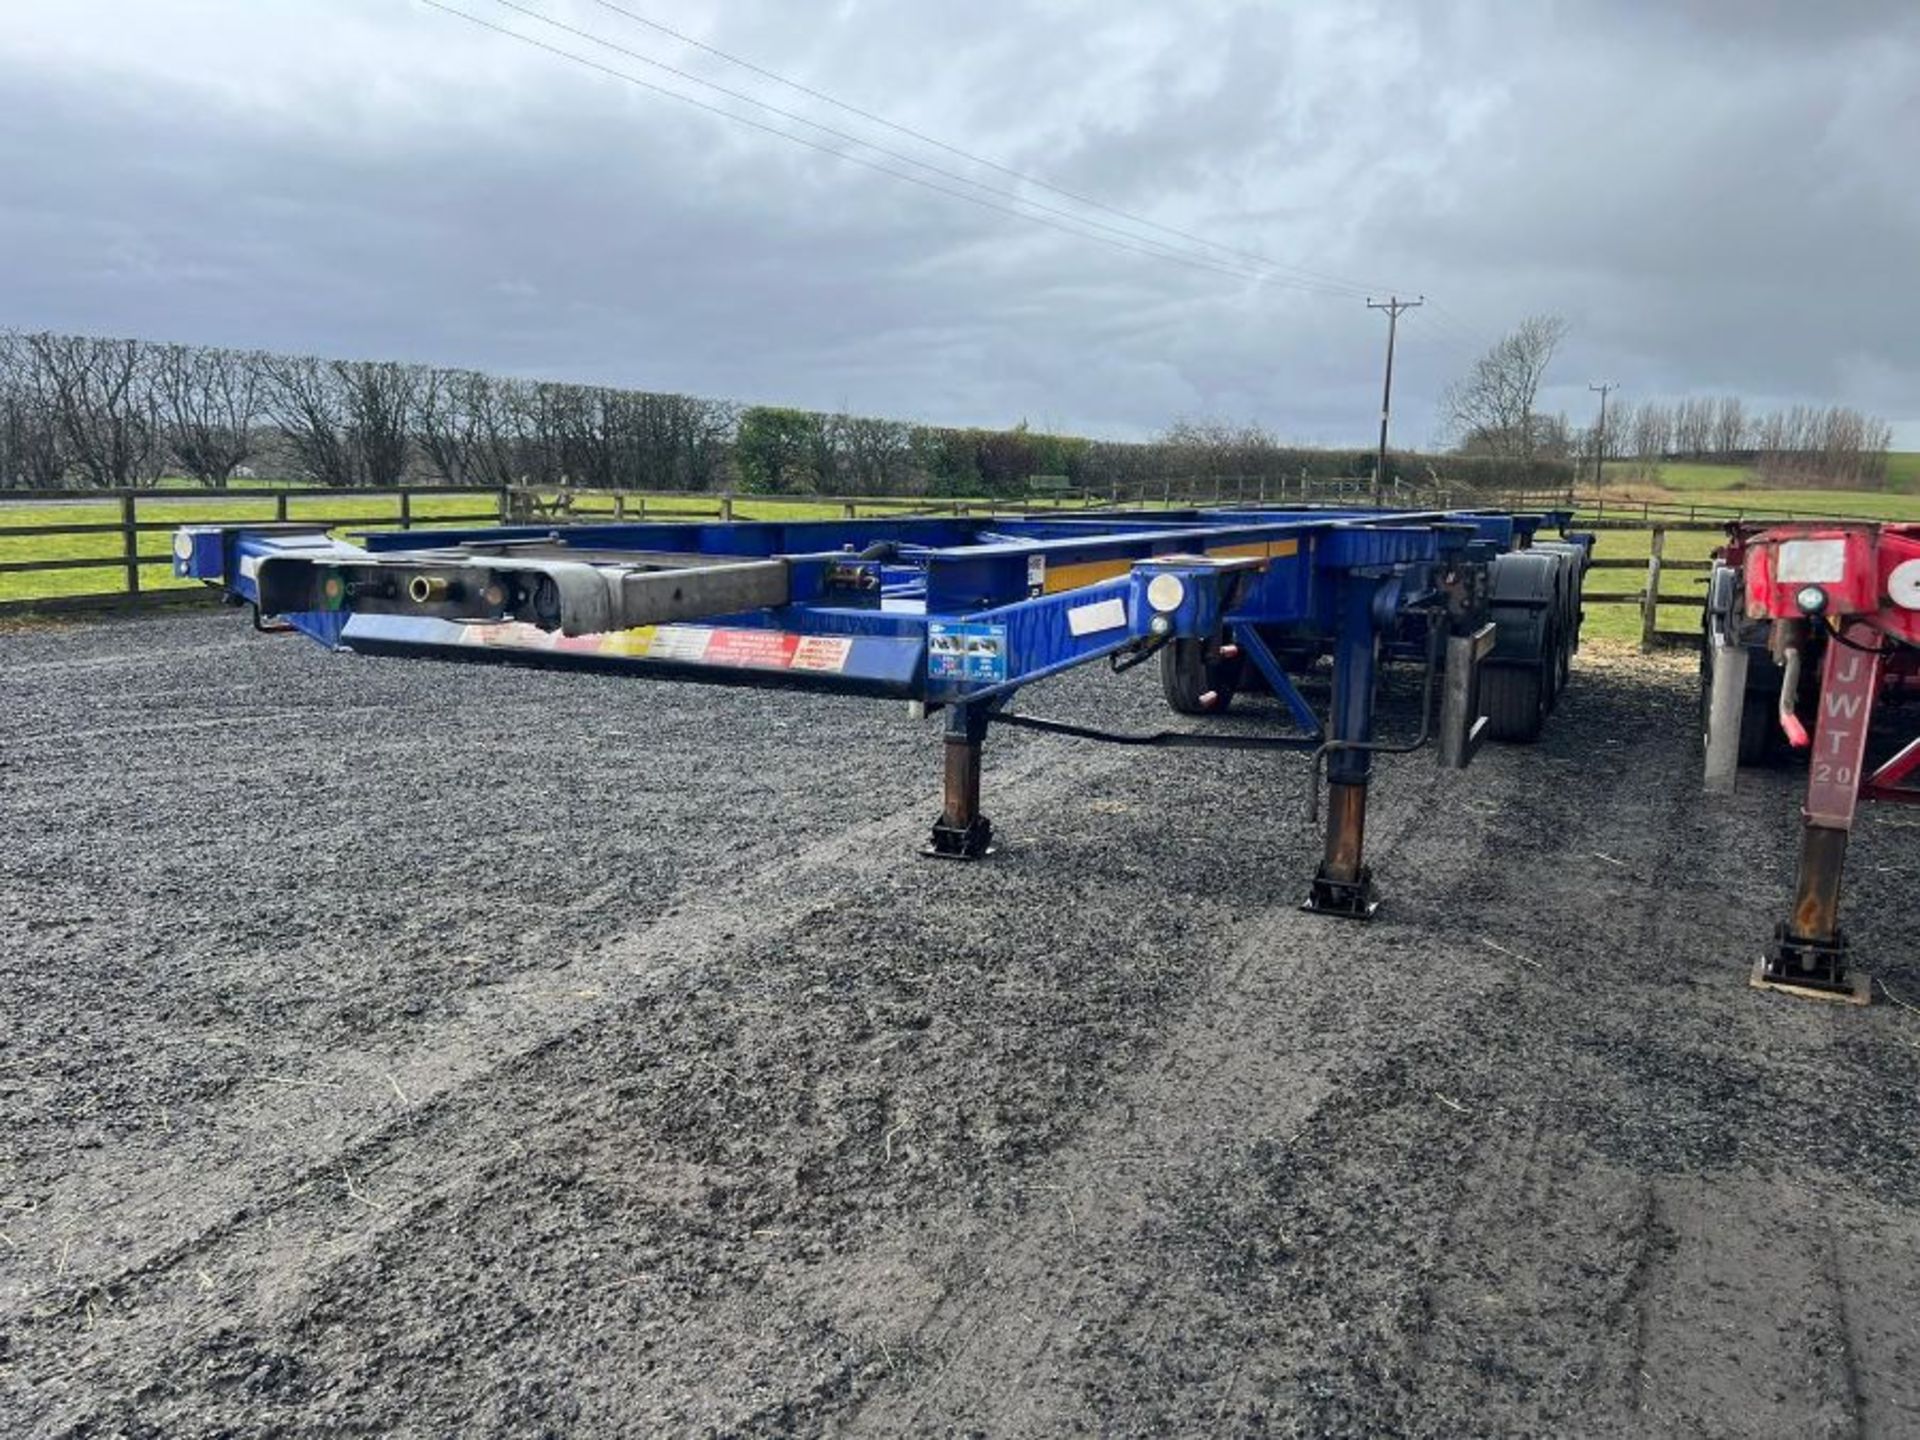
{"points": [[955, 612], [1289, 571]]}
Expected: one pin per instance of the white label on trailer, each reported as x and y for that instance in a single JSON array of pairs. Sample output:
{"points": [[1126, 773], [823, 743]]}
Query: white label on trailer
{"points": [[1101, 615], [680, 642], [1036, 575], [822, 652], [1812, 562]]}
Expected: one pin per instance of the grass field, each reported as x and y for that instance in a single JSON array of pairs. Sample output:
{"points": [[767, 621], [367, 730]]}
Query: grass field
{"points": [[1734, 485], [1715, 487]]}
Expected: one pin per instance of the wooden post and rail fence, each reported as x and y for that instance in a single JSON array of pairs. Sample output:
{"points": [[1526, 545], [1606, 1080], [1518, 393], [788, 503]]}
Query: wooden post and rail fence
{"points": [[133, 528], [130, 539]]}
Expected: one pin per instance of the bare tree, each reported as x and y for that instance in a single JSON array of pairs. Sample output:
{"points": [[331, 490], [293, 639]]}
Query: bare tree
{"points": [[102, 396], [467, 426], [1729, 425], [308, 403], [378, 401], [534, 408], [1491, 410], [209, 402], [1652, 430], [30, 451]]}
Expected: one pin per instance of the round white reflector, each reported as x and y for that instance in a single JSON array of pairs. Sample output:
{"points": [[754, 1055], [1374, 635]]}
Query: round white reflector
{"points": [[1904, 585]]}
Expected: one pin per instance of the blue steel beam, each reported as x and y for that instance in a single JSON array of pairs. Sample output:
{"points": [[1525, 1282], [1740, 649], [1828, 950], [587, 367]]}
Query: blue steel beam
{"points": [[955, 612]]}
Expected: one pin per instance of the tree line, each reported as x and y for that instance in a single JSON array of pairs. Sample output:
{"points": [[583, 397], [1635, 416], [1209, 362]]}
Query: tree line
{"points": [[1492, 410], [1830, 445], [85, 411]]}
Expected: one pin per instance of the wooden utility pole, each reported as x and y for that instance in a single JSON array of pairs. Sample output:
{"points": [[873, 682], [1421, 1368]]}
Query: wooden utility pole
{"points": [[1393, 305], [1600, 432]]}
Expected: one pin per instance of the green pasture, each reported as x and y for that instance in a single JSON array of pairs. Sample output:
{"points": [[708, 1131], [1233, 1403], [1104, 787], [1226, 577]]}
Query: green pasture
{"points": [[1736, 485]]}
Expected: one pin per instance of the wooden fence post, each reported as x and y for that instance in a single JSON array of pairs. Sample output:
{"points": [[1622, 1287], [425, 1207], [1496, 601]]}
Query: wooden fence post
{"points": [[280, 507], [406, 508], [726, 505], [506, 505], [1650, 605], [130, 534]]}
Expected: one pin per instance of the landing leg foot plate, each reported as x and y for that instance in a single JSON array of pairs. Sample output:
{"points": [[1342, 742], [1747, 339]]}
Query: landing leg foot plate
{"points": [[1810, 969], [959, 842], [1343, 899], [1854, 992]]}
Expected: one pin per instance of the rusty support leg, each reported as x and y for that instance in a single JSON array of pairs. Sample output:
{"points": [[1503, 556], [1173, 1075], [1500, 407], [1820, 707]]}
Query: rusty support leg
{"points": [[961, 832], [1809, 951], [1343, 886]]}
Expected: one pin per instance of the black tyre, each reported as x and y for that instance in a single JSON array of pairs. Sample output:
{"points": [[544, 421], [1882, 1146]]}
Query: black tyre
{"points": [[1191, 668], [1558, 668], [1515, 701], [1758, 726]]}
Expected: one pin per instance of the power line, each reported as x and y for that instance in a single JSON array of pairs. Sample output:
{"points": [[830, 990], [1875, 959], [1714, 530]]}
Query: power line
{"points": [[1321, 287], [1469, 333], [1161, 253], [968, 155]]}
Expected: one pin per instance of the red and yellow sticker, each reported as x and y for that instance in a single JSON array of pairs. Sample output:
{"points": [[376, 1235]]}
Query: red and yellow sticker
{"points": [[688, 644]]}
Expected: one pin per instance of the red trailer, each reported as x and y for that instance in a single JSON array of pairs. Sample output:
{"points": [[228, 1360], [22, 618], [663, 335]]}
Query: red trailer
{"points": [[1815, 628]]}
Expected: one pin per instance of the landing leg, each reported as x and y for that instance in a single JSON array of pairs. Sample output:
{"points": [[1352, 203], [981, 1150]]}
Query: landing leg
{"points": [[962, 832], [1343, 886], [1809, 953]]}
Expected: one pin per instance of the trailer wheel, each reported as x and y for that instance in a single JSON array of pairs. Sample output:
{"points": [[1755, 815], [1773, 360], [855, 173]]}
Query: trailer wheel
{"points": [[1187, 673], [1515, 700], [1558, 667]]}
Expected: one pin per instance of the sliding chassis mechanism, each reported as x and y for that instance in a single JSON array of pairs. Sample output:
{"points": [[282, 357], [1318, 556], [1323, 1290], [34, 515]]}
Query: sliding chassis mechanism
{"points": [[958, 615]]}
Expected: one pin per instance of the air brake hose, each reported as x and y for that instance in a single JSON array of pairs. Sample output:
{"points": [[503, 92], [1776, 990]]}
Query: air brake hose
{"points": [[1790, 699]]}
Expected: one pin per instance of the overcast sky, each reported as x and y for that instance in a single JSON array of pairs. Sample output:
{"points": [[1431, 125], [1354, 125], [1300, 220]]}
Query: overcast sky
{"points": [[1718, 195]]}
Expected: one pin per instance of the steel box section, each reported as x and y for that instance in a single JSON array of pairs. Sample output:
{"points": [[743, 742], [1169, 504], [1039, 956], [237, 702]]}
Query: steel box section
{"points": [[754, 539], [1036, 606]]}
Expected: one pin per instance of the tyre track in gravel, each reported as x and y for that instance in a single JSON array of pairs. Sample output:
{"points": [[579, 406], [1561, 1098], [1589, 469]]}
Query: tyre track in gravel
{"points": [[1516, 1159], [513, 1024], [1716, 1301], [513, 1021], [1576, 1249], [1263, 1030]]}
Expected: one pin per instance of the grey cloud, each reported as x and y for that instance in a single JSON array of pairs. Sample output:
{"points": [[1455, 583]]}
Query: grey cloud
{"points": [[1716, 196]]}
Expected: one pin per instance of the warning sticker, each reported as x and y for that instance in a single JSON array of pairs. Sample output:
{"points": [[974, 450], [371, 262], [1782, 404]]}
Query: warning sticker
{"points": [[822, 652], [761, 649], [684, 644], [972, 653]]}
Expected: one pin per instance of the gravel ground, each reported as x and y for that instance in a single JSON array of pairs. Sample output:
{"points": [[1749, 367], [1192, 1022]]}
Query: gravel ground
{"points": [[399, 1048]]}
